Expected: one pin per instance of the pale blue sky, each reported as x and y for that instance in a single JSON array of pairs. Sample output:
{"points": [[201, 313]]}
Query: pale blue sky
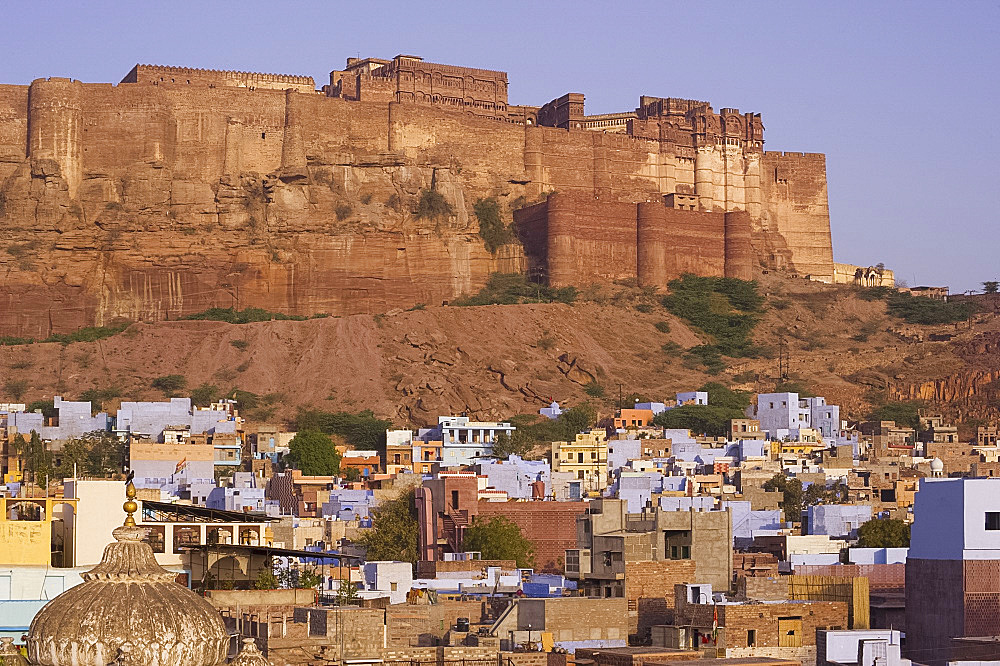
{"points": [[902, 97]]}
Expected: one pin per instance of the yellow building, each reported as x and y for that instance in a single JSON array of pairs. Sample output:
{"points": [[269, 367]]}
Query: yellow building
{"points": [[586, 457], [33, 530]]}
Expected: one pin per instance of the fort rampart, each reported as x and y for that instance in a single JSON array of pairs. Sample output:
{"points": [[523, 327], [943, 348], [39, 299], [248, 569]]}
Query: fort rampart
{"points": [[576, 239], [181, 189]]}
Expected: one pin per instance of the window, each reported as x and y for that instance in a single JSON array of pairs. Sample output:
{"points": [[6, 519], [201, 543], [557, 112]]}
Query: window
{"points": [[751, 638], [993, 520], [392, 587], [454, 499]]}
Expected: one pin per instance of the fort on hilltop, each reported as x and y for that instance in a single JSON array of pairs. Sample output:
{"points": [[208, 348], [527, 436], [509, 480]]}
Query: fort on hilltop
{"points": [[180, 189]]}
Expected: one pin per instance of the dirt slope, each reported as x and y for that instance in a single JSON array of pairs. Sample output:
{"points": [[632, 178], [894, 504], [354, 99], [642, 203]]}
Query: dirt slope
{"points": [[497, 361]]}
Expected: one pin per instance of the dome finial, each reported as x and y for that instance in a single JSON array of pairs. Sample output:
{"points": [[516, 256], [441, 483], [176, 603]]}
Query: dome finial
{"points": [[130, 504]]}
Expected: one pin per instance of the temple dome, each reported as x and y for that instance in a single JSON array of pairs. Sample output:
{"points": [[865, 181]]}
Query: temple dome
{"points": [[128, 610]]}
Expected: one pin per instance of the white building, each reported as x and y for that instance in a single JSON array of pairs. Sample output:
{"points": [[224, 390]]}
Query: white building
{"points": [[387, 579]]}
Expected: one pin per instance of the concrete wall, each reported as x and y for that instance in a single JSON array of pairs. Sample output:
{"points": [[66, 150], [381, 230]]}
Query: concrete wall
{"points": [[950, 520]]}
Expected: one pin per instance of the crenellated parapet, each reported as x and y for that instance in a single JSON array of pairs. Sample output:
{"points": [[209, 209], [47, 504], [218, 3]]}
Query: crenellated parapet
{"points": [[165, 74]]}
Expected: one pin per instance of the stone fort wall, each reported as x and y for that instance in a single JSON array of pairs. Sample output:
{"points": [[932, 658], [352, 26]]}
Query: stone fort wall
{"points": [[125, 178], [576, 239]]}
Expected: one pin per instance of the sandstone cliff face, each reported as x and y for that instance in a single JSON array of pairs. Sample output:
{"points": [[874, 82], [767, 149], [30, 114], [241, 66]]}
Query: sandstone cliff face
{"points": [[150, 245]]}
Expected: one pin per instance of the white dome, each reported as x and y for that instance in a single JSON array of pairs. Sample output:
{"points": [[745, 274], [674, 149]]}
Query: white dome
{"points": [[937, 465]]}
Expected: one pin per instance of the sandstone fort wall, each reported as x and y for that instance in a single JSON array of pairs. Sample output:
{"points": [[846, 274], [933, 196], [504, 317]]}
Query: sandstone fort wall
{"points": [[159, 198], [576, 239], [794, 188]]}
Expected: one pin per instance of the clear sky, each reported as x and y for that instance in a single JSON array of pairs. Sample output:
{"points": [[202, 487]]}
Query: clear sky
{"points": [[903, 97]]}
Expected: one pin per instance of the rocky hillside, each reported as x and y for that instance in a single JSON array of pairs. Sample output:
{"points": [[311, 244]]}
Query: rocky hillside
{"points": [[497, 361]]}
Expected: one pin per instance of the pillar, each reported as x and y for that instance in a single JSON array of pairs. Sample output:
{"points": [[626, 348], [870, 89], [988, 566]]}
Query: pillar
{"points": [[533, 168], [55, 127], [739, 253], [651, 245], [560, 246], [704, 177], [233, 160], [293, 149]]}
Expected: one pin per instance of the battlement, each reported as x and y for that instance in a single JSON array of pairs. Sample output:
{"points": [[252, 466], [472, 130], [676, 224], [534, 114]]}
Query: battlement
{"points": [[156, 74], [794, 155], [449, 69]]}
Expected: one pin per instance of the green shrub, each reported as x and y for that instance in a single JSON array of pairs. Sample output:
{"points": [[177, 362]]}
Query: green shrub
{"points": [[245, 400], [663, 327], [546, 342], [9, 341], [923, 310], [245, 316], [47, 408], [433, 205], [242, 367], [366, 198], [492, 229], [794, 387], [363, 430], [170, 384], [513, 288], [708, 356], [88, 334], [725, 309], [342, 211], [671, 347], [780, 304], [98, 396], [204, 395], [708, 419], [644, 308], [393, 202], [242, 345], [594, 390], [418, 306], [16, 388], [903, 413], [875, 293]]}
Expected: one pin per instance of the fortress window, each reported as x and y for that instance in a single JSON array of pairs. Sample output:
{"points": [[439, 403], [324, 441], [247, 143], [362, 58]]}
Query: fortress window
{"points": [[263, 135]]}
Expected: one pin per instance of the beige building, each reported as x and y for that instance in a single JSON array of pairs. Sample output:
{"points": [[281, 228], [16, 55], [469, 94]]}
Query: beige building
{"points": [[610, 538], [172, 527], [586, 458]]}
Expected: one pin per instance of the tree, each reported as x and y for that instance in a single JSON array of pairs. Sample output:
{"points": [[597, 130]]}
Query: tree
{"points": [[16, 388], [169, 384], [266, 578], [793, 495], [347, 593], [991, 287], [903, 413], [720, 395], [701, 419], [352, 474], [884, 533], [309, 579], [314, 453], [35, 457], [362, 430], [499, 538], [576, 419], [394, 532], [505, 445]]}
